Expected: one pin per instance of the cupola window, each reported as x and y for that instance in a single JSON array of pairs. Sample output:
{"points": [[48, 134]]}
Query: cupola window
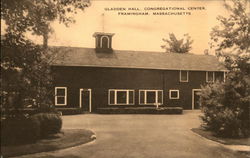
{"points": [[104, 42]]}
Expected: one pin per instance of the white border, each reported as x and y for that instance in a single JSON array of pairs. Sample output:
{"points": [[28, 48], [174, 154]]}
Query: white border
{"points": [[174, 90], [90, 98], [207, 76], [145, 96], [187, 76], [127, 97], [193, 90], [65, 96], [102, 39]]}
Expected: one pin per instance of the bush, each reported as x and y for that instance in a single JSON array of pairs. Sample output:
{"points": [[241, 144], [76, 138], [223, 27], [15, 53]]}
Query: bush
{"points": [[23, 129], [19, 130], [69, 111], [50, 123], [46, 109], [226, 106], [140, 110]]}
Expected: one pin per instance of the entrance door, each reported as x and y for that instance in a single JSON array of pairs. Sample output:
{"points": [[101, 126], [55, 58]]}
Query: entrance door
{"points": [[85, 99], [196, 99]]}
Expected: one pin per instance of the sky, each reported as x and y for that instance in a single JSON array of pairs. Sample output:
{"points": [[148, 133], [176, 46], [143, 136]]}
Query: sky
{"points": [[140, 32]]}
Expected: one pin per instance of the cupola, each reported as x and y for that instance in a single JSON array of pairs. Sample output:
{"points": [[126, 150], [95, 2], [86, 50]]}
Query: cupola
{"points": [[103, 41]]}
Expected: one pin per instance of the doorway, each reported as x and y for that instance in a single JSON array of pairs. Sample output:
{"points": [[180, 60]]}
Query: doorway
{"points": [[196, 99], [85, 99]]}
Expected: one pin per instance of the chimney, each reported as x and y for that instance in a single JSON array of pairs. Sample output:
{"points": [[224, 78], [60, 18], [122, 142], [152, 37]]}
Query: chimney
{"points": [[103, 41]]}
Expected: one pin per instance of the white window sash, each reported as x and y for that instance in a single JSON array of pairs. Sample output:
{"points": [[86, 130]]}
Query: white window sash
{"points": [[127, 99], [145, 97], [187, 72], [58, 96], [115, 96], [174, 90]]}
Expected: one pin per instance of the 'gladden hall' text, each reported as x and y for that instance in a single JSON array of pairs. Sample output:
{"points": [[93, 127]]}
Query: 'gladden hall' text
{"points": [[154, 8]]}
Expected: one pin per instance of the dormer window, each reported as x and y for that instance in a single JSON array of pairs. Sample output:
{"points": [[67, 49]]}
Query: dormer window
{"points": [[103, 42]]}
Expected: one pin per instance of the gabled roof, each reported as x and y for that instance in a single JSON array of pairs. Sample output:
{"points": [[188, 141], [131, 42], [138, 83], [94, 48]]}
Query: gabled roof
{"points": [[74, 56]]}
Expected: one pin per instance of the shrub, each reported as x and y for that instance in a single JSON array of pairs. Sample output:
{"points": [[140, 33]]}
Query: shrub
{"points": [[19, 130], [50, 123], [140, 110], [46, 109], [226, 106], [23, 129]]}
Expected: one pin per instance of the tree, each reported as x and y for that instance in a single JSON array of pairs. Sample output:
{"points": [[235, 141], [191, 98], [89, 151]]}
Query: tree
{"points": [[25, 66], [36, 16], [173, 45], [226, 106], [231, 39], [26, 73]]}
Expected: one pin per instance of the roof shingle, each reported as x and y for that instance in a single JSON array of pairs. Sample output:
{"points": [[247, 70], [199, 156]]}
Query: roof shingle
{"points": [[137, 59]]}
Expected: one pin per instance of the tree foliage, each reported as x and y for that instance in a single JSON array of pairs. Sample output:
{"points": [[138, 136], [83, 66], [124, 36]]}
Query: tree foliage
{"points": [[173, 45], [233, 31], [226, 106], [25, 66], [36, 16], [26, 73], [231, 39]]}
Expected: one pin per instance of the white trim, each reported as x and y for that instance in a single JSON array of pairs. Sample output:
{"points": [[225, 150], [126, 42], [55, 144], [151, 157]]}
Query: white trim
{"points": [[145, 96], [65, 96], [102, 39], [193, 90], [174, 90], [127, 96], [207, 76], [187, 76], [90, 98]]}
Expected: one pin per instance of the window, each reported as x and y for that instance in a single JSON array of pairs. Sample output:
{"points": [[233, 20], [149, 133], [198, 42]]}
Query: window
{"points": [[183, 76], [104, 42], [225, 76], [174, 94], [121, 97], [150, 97], [209, 76], [61, 96]]}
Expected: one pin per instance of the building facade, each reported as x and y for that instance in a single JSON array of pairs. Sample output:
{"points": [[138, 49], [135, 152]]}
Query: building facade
{"points": [[89, 79]]}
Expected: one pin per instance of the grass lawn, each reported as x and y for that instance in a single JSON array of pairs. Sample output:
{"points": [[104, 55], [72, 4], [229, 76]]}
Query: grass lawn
{"points": [[69, 138], [226, 141]]}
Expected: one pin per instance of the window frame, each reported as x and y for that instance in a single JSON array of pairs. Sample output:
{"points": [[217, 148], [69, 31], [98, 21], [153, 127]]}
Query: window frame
{"points": [[145, 96], [187, 76], [174, 90], [127, 96], [65, 96], [207, 72]]}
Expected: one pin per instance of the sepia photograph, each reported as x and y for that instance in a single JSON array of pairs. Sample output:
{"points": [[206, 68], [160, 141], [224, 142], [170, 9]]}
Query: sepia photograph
{"points": [[125, 79]]}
